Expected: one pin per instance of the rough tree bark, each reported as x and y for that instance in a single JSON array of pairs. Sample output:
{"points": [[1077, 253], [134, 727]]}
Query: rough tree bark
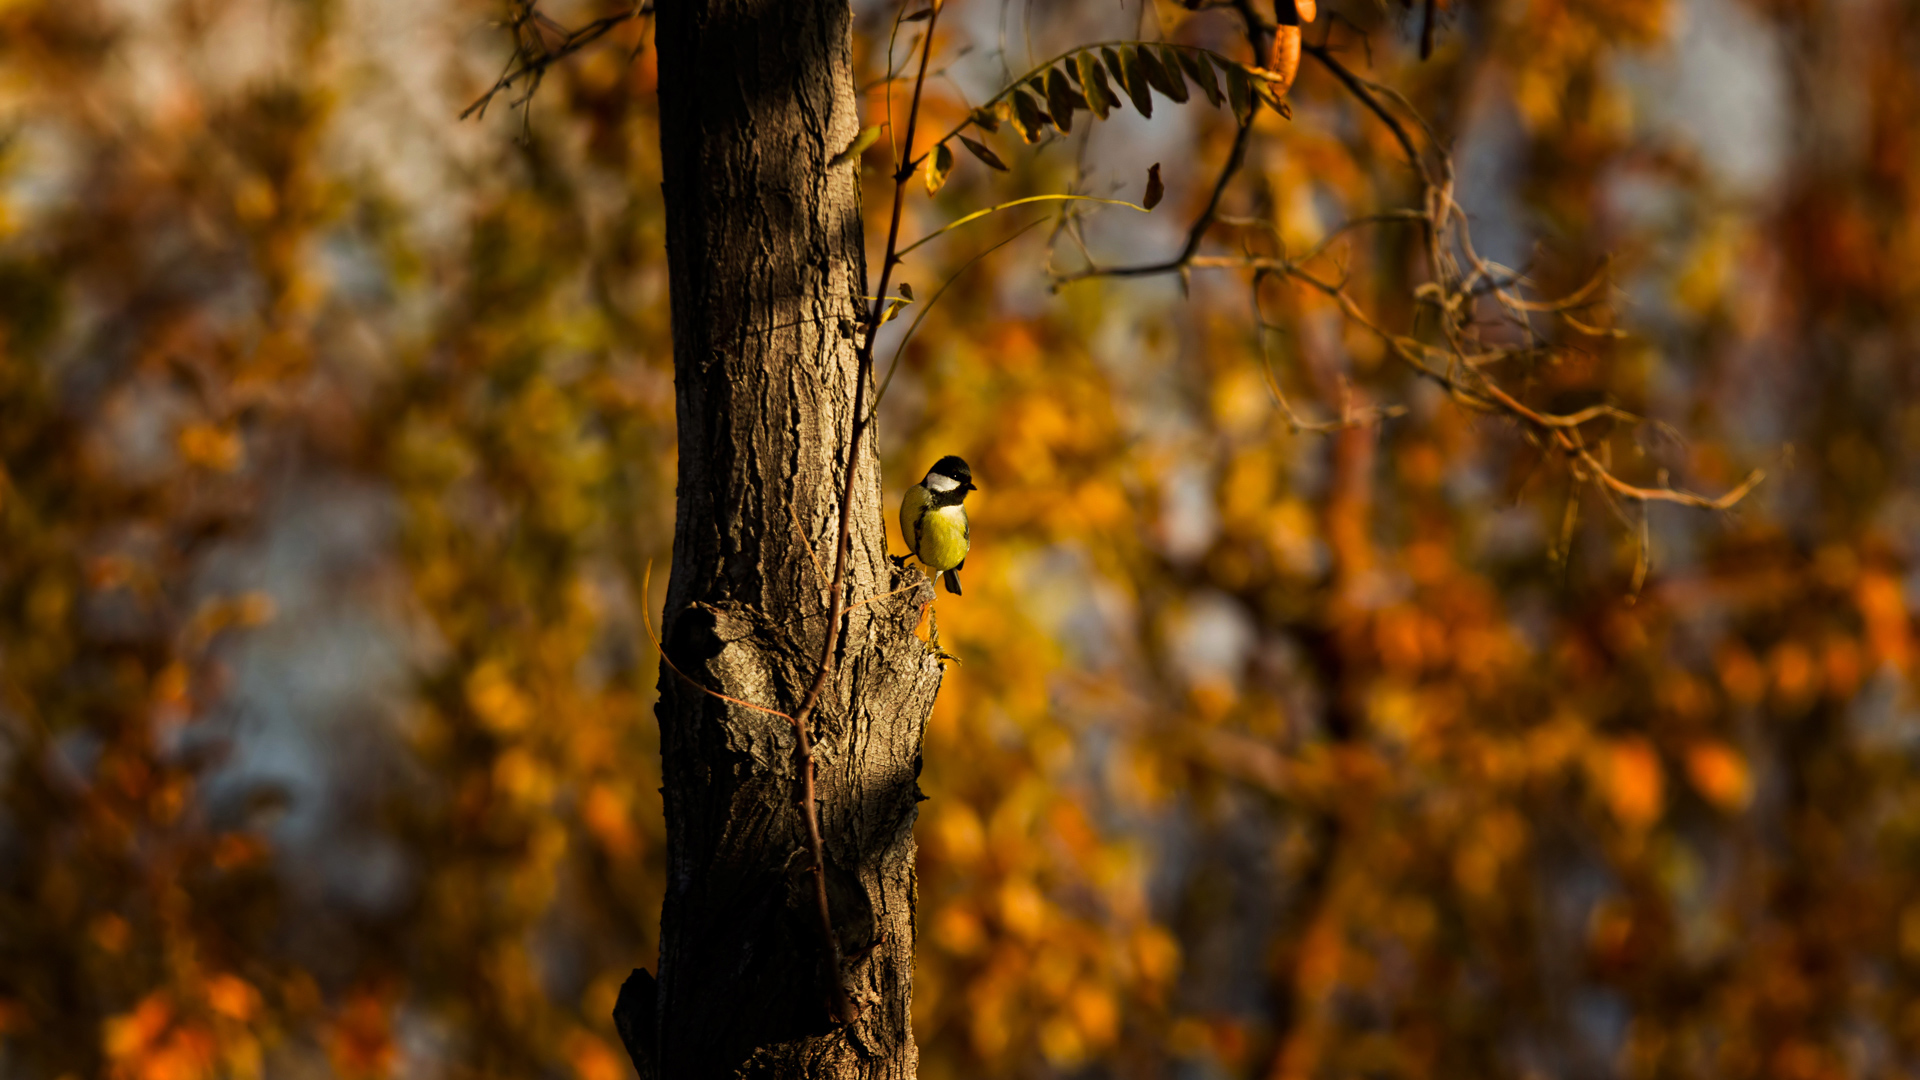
{"points": [[767, 271]]}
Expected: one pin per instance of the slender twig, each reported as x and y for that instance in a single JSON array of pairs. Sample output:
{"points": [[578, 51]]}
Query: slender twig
{"points": [[1362, 90], [647, 621], [535, 66], [1195, 234], [1372, 414], [921, 314], [793, 511], [842, 1007], [884, 595], [978, 214]]}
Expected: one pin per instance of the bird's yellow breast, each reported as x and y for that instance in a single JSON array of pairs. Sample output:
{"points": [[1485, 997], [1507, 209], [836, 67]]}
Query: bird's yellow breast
{"points": [[943, 538], [938, 536]]}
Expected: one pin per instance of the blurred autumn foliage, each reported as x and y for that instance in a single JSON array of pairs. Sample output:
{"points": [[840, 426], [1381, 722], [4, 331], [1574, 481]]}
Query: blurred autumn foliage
{"points": [[336, 436]]}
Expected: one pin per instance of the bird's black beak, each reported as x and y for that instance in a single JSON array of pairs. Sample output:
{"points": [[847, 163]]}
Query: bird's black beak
{"points": [[968, 486]]}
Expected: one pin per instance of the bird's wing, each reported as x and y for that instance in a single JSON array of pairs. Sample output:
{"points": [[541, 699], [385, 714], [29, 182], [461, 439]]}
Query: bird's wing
{"points": [[913, 513]]}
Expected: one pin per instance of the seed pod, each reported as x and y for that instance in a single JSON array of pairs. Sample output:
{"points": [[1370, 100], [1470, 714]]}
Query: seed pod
{"points": [[1284, 60]]}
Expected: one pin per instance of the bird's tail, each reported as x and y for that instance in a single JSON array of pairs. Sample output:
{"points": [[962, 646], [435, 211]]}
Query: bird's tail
{"points": [[953, 582]]}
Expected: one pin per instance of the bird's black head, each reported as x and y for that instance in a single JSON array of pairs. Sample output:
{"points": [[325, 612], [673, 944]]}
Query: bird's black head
{"points": [[954, 468]]}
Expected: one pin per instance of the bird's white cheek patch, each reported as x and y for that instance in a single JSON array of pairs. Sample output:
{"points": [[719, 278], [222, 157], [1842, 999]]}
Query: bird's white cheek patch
{"points": [[936, 482]]}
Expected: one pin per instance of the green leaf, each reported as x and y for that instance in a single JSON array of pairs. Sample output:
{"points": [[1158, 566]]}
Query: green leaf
{"points": [[1028, 117], [1170, 66], [867, 137], [1201, 72], [987, 157], [939, 164], [1061, 98], [984, 119], [1113, 66], [1240, 93], [1270, 94], [1093, 83], [1134, 78], [1073, 89], [1160, 78]]}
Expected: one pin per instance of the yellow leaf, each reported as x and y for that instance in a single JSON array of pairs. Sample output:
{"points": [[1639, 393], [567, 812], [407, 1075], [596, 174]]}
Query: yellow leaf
{"points": [[958, 831], [210, 447], [1060, 1041], [592, 1059], [1883, 609], [495, 700], [608, 817], [1631, 782], [233, 996], [1720, 775], [1793, 672], [939, 164], [1096, 1014], [1022, 909], [958, 931], [128, 1034], [867, 137]]}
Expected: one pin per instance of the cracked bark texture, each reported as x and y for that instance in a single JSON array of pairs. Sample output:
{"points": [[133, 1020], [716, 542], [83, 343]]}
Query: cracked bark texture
{"points": [[767, 270]]}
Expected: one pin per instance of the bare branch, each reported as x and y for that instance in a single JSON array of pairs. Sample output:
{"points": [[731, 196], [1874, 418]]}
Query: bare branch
{"points": [[1195, 234], [532, 57]]}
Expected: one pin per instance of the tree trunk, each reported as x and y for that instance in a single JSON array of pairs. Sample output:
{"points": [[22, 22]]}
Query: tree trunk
{"points": [[764, 249]]}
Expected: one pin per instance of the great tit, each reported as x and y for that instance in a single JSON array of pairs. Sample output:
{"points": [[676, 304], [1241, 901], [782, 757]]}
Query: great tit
{"points": [[933, 518]]}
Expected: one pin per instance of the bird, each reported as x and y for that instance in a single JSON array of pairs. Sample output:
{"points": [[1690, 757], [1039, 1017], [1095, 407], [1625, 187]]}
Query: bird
{"points": [[933, 518]]}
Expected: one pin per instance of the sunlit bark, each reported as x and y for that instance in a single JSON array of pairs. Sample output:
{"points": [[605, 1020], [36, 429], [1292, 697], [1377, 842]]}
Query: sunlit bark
{"points": [[766, 270]]}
